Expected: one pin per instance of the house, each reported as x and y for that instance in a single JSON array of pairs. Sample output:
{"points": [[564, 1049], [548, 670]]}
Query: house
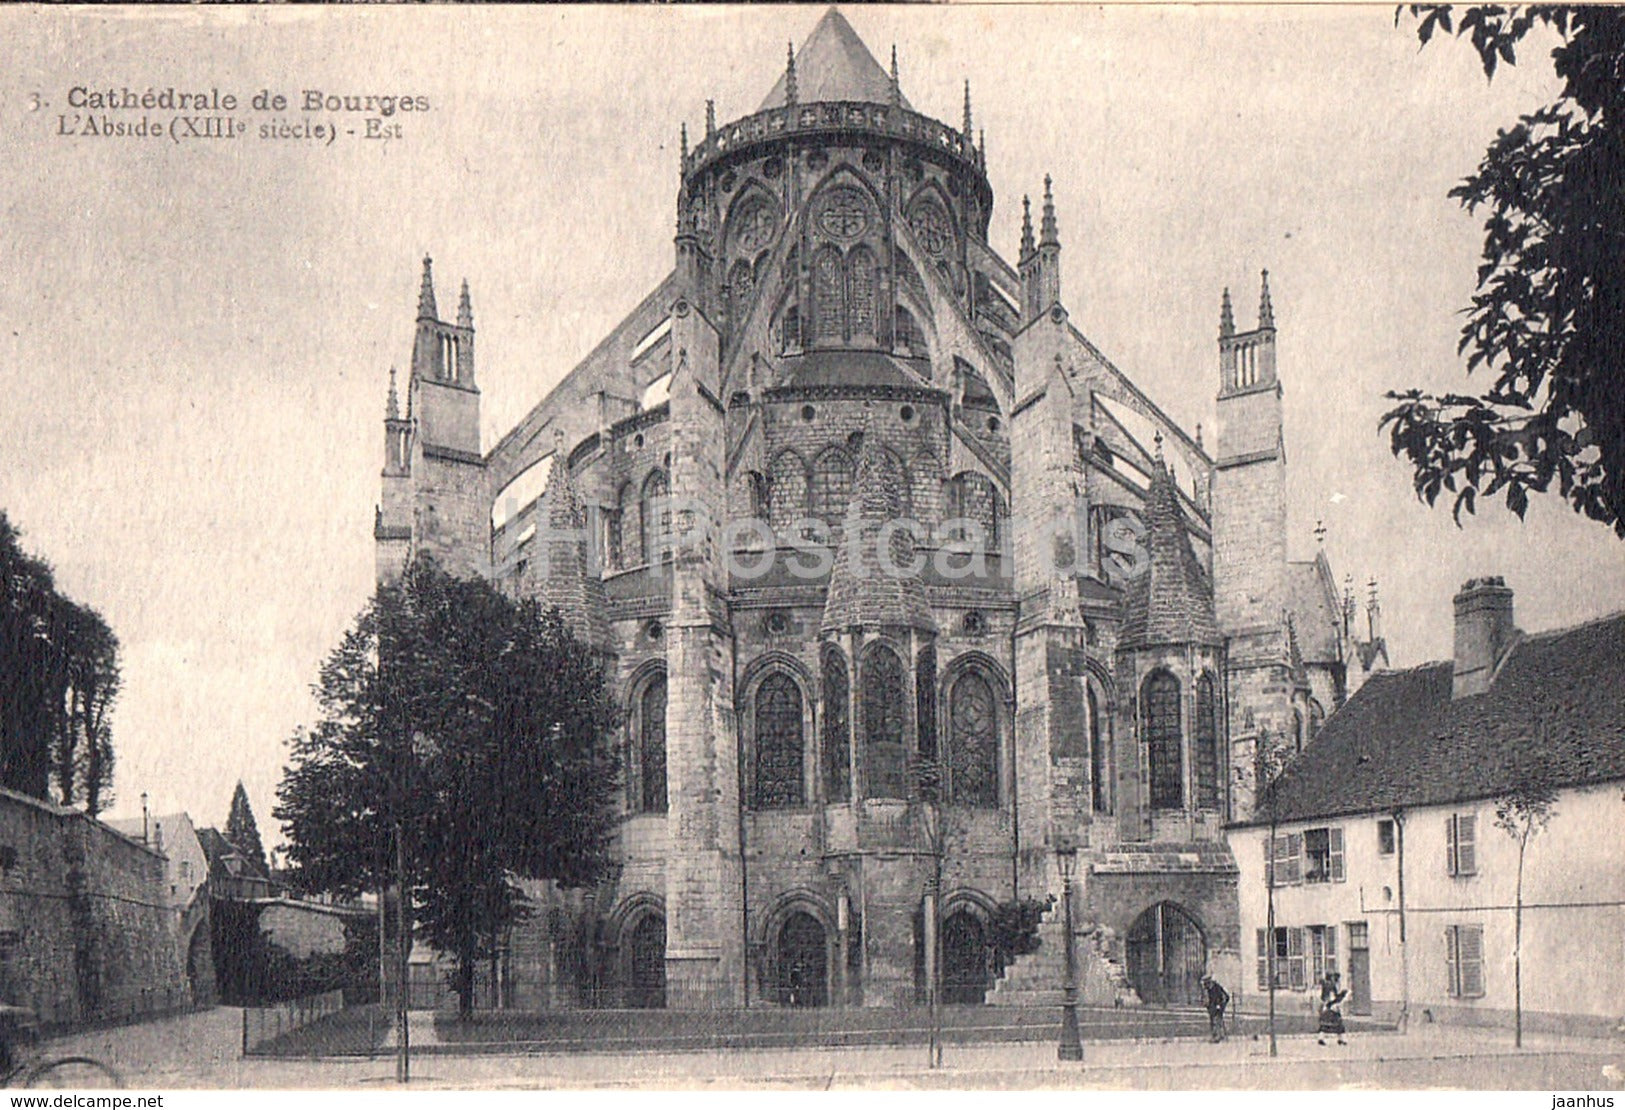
{"points": [[186, 875], [1391, 865], [232, 874]]}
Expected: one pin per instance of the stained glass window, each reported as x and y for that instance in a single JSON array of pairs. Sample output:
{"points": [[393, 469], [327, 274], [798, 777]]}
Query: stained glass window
{"points": [[832, 486], [829, 294], [652, 746], [778, 743], [860, 291], [837, 730], [1164, 738], [925, 702], [654, 515], [884, 706], [1206, 755], [974, 741]]}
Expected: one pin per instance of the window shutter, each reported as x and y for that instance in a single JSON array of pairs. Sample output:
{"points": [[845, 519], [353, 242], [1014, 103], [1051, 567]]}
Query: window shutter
{"points": [[1294, 864], [1331, 945], [1269, 861], [1335, 838], [1450, 846], [1470, 957], [1295, 960], [1466, 857], [1453, 980], [1263, 960]]}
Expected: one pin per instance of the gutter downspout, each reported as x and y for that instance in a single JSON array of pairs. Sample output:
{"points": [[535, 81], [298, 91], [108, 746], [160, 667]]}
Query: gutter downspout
{"points": [[1404, 948]]}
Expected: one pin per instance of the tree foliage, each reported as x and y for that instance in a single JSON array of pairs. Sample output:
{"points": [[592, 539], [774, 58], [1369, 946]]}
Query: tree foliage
{"points": [[243, 831], [59, 680], [1548, 318], [480, 728]]}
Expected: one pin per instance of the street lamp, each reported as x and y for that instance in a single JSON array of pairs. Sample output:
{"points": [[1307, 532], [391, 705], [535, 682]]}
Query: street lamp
{"points": [[1071, 1046]]}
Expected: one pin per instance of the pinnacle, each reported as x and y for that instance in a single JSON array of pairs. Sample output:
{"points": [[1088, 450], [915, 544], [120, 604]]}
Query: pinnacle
{"points": [[426, 306]]}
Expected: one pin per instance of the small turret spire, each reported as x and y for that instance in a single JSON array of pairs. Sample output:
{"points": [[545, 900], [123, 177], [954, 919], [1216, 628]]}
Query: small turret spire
{"points": [[967, 128], [710, 118], [683, 135], [896, 83], [790, 75], [1049, 234], [465, 308], [426, 308], [1266, 311], [1026, 226], [392, 406], [1156, 438], [1227, 316]]}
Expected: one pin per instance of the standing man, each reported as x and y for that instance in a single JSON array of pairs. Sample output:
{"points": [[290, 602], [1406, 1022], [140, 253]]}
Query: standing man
{"points": [[1217, 999]]}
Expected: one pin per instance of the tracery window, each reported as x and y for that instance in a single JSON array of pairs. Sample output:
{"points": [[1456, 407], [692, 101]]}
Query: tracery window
{"points": [[1099, 757], [787, 497], [1207, 744], [837, 729], [884, 755], [860, 292], [931, 227], [974, 741], [829, 294], [778, 743], [654, 516], [1160, 697], [832, 485], [754, 225], [651, 721]]}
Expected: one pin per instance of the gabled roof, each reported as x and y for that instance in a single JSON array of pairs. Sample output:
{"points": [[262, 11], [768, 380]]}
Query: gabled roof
{"points": [[1170, 601], [1553, 711], [833, 64]]}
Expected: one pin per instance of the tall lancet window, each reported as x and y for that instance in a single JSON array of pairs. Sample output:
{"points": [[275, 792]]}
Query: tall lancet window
{"points": [[778, 743], [1163, 738], [1099, 756], [860, 292], [885, 758], [837, 729], [829, 294], [1207, 744], [974, 741], [654, 516], [651, 724]]}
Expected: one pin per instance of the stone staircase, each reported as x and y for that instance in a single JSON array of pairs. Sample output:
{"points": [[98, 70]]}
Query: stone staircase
{"points": [[1039, 978]]}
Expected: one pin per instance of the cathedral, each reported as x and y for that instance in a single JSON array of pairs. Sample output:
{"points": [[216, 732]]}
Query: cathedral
{"points": [[913, 603]]}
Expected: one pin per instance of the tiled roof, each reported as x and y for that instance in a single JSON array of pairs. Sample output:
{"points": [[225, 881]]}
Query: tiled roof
{"points": [[1554, 710], [833, 64], [846, 368], [1171, 602], [863, 592]]}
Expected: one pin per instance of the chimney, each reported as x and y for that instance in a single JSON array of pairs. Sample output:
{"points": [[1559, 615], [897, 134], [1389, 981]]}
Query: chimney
{"points": [[1483, 633]]}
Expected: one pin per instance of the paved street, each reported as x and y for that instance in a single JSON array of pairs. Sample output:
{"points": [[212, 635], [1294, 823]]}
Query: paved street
{"points": [[201, 1050]]}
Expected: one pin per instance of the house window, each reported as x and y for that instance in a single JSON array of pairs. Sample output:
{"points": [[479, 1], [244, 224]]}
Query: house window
{"points": [[1323, 855], [1461, 857], [1464, 960], [1163, 740], [1283, 860], [1385, 837], [1322, 951], [1291, 972], [778, 743]]}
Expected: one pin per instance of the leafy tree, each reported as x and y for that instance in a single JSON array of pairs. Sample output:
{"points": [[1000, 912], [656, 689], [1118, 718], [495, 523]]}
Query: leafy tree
{"points": [[475, 726], [1548, 317], [1522, 813]]}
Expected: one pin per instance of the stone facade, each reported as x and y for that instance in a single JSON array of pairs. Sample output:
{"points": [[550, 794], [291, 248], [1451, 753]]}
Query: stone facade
{"points": [[823, 759]]}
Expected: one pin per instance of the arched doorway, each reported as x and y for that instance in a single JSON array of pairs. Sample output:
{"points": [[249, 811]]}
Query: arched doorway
{"points": [[1167, 953], [646, 964], [965, 974], [803, 962]]}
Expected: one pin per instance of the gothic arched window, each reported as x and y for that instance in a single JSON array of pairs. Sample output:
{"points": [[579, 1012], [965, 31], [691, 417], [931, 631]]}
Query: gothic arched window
{"points": [[651, 742], [973, 743], [787, 484], [1099, 757], [1317, 718], [860, 292], [759, 496], [885, 759], [1207, 744], [1164, 738], [832, 485], [778, 743], [654, 517], [615, 546], [789, 330], [837, 729], [829, 294], [925, 702]]}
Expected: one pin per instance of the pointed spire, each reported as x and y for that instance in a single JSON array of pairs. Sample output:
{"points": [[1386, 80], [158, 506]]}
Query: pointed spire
{"points": [[568, 579], [967, 129], [1227, 316], [426, 308], [1049, 235], [790, 95], [710, 118], [896, 82], [392, 405], [1171, 600], [683, 132], [1266, 311], [1026, 226], [465, 308]]}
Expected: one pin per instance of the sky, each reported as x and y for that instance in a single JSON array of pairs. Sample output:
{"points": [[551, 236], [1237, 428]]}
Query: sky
{"points": [[196, 336]]}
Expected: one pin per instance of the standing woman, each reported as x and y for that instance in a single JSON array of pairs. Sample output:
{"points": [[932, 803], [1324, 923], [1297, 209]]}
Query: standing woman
{"points": [[1331, 1020]]}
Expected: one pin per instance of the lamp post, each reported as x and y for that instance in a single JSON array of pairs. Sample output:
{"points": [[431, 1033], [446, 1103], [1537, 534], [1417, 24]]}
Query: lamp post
{"points": [[1071, 1046]]}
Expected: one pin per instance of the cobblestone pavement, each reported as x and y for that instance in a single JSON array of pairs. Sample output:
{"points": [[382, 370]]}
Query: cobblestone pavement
{"points": [[201, 1050]]}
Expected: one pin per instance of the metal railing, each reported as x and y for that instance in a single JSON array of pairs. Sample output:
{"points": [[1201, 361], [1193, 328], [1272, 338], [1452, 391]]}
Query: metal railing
{"points": [[264, 1024]]}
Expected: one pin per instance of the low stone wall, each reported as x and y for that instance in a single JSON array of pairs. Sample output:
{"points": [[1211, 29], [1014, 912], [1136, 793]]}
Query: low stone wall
{"points": [[86, 933]]}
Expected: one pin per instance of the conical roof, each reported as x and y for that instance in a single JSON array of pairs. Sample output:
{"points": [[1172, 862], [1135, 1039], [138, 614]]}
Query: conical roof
{"points": [[1171, 600], [864, 592], [566, 580], [833, 64]]}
